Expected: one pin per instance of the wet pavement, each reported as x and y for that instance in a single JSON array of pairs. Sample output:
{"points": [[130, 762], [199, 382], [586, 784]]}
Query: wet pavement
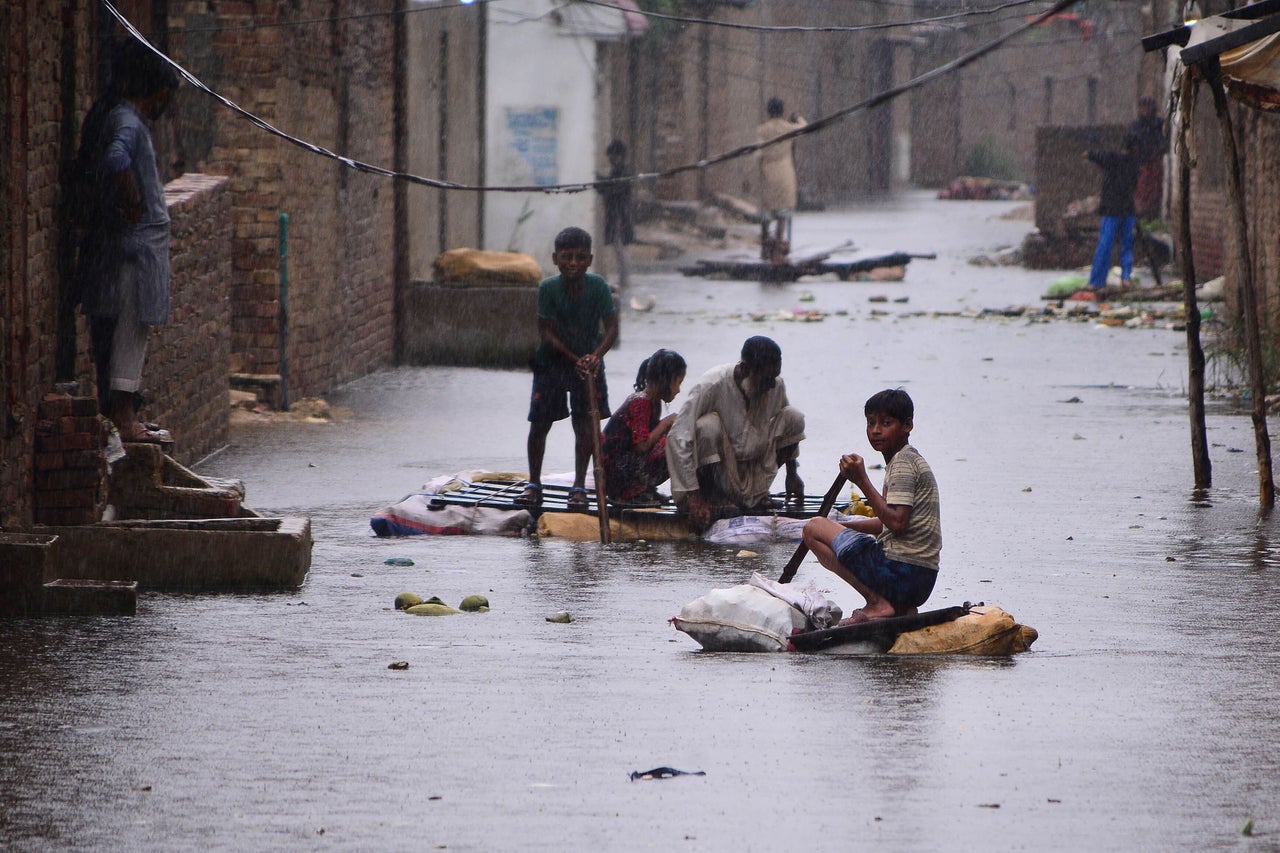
{"points": [[1144, 718]]}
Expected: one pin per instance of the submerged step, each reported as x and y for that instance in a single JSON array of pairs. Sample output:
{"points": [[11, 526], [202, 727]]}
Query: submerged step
{"points": [[69, 597]]}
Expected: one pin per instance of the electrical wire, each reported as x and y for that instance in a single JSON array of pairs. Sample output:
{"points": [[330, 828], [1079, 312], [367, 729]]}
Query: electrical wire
{"points": [[855, 28], [724, 157]]}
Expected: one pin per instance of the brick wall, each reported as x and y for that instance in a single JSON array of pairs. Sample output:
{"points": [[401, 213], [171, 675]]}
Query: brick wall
{"points": [[328, 83], [188, 360], [44, 71], [70, 466]]}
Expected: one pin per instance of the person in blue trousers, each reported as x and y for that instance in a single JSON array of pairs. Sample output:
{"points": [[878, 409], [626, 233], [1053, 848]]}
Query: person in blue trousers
{"points": [[1115, 205]]}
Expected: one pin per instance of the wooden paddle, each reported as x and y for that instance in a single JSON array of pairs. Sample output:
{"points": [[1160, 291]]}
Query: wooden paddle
{"points": [[828, 501], [597, 461]]}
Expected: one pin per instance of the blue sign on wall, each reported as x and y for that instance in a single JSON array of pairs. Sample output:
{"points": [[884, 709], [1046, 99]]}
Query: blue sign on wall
{"points": [[531, 137]]}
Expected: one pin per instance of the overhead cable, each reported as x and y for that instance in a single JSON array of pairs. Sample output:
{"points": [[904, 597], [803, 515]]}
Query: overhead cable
{"points": [[584, 186]]}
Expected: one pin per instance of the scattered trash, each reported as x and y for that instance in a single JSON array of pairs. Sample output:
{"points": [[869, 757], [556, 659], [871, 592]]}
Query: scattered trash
{"points": [[745, 553], [1247, 829], [666, 773], [562, 617], [807, 296], [644, 302], [398, 561], [398, 664]]}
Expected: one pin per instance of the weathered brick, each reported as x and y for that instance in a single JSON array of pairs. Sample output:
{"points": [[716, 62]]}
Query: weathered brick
{"points": [[65, 441], [68, 478], [84, 497]]}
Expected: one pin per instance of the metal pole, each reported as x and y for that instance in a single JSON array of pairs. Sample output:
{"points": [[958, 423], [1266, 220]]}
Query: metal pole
{"points": [[284, 311]]}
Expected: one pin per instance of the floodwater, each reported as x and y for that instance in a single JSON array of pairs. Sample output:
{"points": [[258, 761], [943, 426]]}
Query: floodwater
{"points": [[1143, 719]]}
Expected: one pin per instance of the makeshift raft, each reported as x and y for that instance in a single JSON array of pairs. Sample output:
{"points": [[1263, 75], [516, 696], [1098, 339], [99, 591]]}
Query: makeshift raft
{"points": [[479, 502], [793, 269], [753, 618], [963, 630]]}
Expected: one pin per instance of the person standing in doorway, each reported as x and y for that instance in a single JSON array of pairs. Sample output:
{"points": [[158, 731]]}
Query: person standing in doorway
{"points": [[123, 270], [619, 229]]}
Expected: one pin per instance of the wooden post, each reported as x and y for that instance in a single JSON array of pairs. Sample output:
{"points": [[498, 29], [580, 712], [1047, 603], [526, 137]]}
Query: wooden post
{"points": [[597, 462], [1212, 71], [1201, 466]]}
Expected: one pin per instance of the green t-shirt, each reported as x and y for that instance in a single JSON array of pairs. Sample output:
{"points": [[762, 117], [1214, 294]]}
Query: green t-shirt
{"points": [[576, 321]]}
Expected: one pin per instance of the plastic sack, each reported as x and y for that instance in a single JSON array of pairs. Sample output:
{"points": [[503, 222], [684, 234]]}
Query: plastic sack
{"points": [[985, 630], [743, 530], [477, 266], [742, 618], [819, 611], [415, 515]]}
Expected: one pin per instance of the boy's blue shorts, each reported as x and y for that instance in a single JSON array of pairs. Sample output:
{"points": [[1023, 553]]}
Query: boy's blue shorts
{"points": [[552, 383], [904, 585]]}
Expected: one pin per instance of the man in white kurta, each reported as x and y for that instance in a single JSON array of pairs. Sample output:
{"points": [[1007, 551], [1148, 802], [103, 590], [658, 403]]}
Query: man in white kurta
{"points": [[735, 431]]}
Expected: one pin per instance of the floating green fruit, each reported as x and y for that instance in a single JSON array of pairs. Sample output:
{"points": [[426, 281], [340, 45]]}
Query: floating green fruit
{"points": [[405, 600], [474, 604], [430, 609]]}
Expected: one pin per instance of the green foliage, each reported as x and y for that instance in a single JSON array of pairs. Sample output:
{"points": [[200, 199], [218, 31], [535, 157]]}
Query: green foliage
{"points": [[1227, 356], [987, 159]]}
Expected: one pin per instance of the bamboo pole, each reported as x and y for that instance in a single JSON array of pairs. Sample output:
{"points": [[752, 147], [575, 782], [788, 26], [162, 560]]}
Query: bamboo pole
{"points": [[597, 462], [1212, 71], [1201, 466]]}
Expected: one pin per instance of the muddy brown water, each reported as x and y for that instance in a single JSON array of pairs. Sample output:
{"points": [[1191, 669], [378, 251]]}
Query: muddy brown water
{"points": [[1143, 719]]}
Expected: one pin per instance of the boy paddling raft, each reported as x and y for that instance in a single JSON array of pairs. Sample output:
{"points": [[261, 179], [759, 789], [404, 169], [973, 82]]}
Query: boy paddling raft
{"points": [[891, 559]]}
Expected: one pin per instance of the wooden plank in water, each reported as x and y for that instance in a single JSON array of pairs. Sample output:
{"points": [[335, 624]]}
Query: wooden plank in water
{"points": [[755, 270], [884, 630]]}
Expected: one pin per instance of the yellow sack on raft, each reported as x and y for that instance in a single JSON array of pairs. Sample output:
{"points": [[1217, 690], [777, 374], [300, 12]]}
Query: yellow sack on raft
{"points": [[476, 266], [985, 630], [634, 524]]}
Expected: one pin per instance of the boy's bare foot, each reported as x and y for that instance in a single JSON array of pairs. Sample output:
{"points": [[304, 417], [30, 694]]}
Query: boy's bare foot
{"points": [[858, 617]]}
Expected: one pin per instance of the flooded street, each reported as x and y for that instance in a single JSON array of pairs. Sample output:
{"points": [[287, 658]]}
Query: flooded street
{"points": [[1144, 718]]}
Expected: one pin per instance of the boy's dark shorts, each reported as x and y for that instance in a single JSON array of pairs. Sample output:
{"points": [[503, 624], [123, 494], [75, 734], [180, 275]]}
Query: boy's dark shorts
{"points": [[904, 585], [552, 383]]}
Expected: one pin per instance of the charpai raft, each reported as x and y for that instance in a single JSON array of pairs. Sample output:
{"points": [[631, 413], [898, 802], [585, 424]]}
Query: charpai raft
{"points": [[484, 503]]}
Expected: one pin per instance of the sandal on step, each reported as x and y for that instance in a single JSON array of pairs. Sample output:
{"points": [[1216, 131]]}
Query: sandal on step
{"points": [[530, 497], [578, 499]]}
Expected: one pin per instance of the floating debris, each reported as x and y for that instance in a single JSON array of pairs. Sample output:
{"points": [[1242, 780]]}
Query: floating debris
{"points": [[398, 561], [663, 773], [562, 617]]}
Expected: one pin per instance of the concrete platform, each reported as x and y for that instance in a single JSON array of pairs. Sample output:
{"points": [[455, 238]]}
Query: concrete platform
{"points": [[23, 558], [187, 555], [90, 598], [487, 325]]}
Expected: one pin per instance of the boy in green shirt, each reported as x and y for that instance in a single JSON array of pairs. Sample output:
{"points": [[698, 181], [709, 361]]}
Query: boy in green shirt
{"points": [[577, 325]]}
